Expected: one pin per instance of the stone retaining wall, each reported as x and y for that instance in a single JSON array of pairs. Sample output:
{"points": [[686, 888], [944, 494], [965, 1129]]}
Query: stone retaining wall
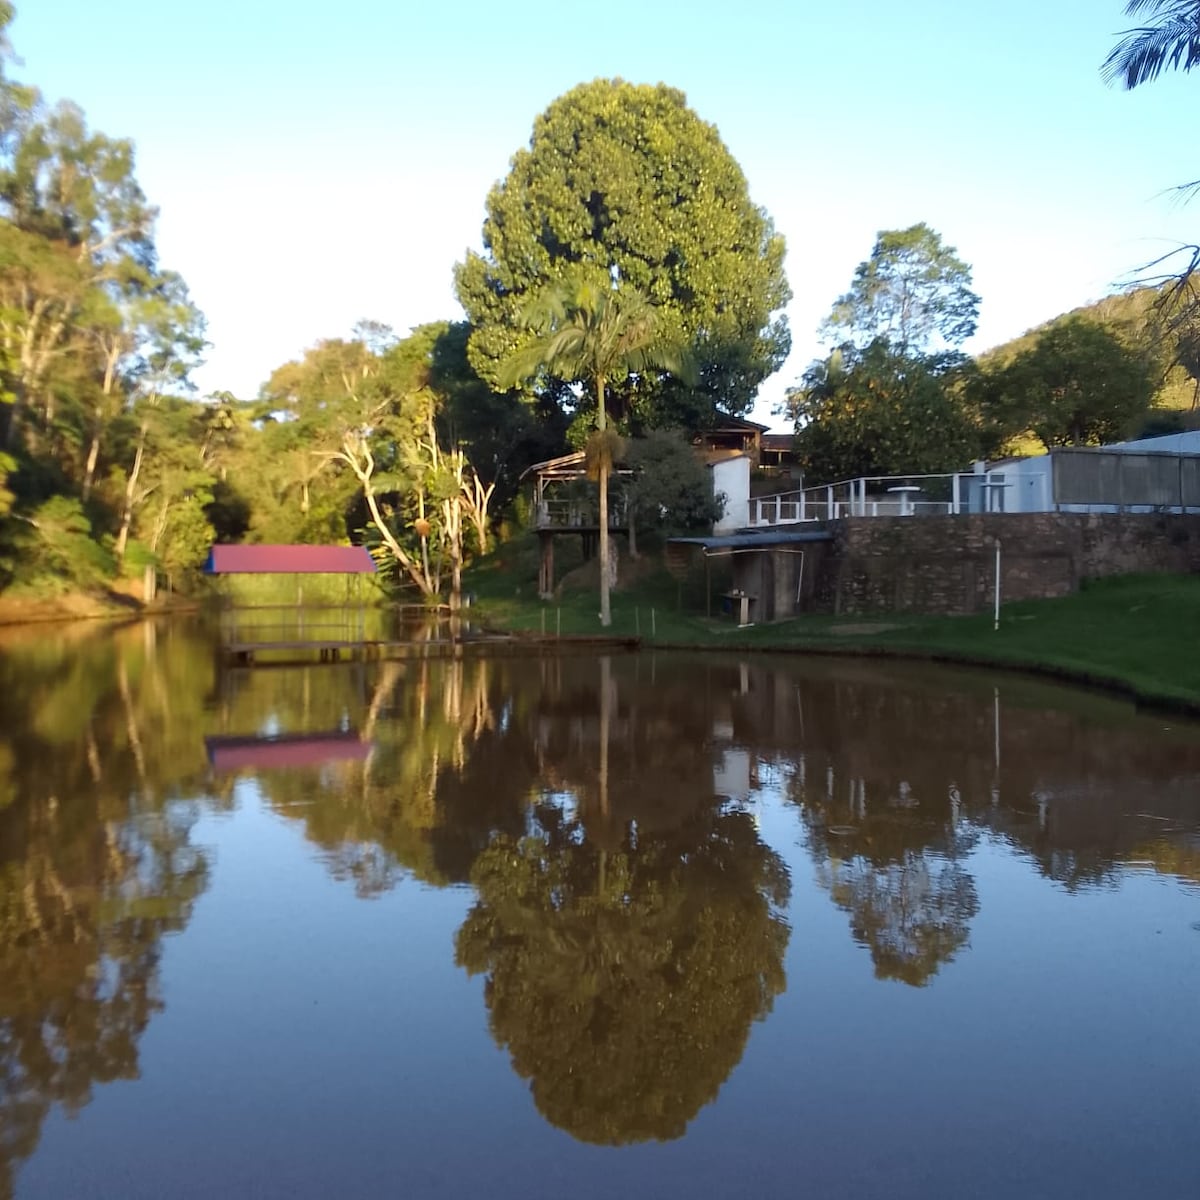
{"points": [[946, 564]]}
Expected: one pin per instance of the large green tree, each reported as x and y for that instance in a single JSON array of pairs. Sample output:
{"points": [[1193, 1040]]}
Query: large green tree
{"points": [[1078, 385], [95, 337], [914, 292], [588, 329], [881, 412], [629, 180]]}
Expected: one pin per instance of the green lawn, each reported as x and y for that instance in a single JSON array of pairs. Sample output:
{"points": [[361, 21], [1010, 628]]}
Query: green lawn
{"points": [[1138, 633]]}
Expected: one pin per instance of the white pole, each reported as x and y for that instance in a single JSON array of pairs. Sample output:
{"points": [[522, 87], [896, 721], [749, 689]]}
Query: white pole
{"points": [[996, 604]]}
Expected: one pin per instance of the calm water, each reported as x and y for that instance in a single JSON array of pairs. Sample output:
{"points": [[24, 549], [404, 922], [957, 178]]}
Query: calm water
{"points": [[652, 925]]}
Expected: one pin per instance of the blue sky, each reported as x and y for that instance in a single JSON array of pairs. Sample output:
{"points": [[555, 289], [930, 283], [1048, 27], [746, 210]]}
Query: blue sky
{"points": [[314, 165]]}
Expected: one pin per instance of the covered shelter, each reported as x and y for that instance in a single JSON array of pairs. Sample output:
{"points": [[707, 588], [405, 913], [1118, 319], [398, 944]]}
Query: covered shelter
{"points": [[773, 577], [561, 507], [289, 560], [242, 637]]}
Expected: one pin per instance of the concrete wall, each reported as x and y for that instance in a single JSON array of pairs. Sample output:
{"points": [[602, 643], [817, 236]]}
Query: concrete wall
{"points": [[731, 478], [946, 564]]}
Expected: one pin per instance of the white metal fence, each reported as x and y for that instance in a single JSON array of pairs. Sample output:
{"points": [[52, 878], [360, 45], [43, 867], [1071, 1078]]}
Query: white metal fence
{"points": [[882, 496], [1064, 480]]}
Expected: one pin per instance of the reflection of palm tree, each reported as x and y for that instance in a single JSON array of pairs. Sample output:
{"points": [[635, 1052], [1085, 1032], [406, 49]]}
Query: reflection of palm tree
{"points": [[627, 999]]}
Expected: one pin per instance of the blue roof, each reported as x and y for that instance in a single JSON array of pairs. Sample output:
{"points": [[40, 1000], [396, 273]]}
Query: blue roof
{"points": [[764, 540]]}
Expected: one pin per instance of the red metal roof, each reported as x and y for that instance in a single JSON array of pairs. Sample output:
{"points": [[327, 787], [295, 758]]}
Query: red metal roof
{"points": [[289, 750], [289, 560]]}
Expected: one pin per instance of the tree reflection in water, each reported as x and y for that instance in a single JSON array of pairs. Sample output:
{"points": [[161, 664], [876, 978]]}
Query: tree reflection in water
{"points": [[898, 874], [628, 916], [626, 963], [913, 914], [96, 867], [624, 983]]}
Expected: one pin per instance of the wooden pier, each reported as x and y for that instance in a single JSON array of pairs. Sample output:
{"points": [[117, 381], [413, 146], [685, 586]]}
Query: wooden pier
{"points": [[290, 652]]}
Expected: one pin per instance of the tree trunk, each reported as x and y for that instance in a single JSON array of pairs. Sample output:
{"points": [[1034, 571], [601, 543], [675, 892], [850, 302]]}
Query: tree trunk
{"points": [[452, 521], [605, 726], [601, 422], [130, 491], [89, 472]]}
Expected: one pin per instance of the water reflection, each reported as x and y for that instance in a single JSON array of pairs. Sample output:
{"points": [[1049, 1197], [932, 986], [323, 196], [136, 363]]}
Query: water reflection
{"points": [[627, 911], [96, 867], [628, 943]]}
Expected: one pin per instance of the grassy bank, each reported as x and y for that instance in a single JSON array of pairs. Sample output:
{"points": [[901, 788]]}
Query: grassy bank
{"points": [[1134, 634], [18, 607]]}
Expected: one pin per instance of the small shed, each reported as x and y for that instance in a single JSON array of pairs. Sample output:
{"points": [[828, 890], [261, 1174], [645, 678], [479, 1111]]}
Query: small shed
{"points": [[773, 574], [243, 638]]}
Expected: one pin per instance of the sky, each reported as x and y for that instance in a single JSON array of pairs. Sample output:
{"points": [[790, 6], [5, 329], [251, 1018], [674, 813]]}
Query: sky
{"points": [[314, 165]]}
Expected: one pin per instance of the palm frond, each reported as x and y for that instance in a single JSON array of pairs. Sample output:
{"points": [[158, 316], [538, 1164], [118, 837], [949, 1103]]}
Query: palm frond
{"points": [[585, 328], [1172, 40]]}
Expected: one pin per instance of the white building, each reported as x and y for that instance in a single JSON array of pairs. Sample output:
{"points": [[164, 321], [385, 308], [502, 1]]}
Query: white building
{"points": [[731, 483]]}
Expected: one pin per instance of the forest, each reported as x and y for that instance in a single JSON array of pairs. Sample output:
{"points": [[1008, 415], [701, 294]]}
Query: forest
{"points": [[626, 294]]}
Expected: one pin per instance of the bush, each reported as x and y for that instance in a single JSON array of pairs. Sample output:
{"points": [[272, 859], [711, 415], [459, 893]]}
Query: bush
{"points": [[62, 552], [672, 488]]}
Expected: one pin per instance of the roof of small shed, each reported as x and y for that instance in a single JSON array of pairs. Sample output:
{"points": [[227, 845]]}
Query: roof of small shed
{"points": [[294, 750], [289, 560]]}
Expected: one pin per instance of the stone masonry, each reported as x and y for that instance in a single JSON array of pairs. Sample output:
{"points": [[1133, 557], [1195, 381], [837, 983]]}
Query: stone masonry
{"points": [[947, 564]]}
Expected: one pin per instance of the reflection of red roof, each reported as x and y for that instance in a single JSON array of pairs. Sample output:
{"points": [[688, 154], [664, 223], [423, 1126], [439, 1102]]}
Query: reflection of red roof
{"points": [[289, 560], [290, 750]]}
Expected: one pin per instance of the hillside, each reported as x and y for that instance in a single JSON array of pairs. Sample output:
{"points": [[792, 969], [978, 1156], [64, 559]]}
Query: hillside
{"points": [[1131, 313]]}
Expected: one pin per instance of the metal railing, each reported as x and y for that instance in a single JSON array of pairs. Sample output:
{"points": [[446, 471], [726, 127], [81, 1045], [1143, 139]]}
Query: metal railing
{"points": [[1082, 480], [577, 514], [883, 496]]}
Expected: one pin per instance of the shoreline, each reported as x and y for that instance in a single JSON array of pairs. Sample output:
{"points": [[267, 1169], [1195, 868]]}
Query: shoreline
{"points": [[1077, 677], [851, 638], [19, 611]]}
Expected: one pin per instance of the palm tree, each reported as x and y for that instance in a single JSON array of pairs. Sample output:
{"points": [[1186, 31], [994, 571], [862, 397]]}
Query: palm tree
{"points": [[587, 328], [1172, 38]]}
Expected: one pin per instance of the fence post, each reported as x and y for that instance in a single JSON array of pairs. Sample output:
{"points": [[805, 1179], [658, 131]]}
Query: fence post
{"points": [[829, 502]]}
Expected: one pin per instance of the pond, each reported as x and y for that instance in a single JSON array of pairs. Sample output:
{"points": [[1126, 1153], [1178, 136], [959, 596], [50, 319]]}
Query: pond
{"points": [[651, 924]]}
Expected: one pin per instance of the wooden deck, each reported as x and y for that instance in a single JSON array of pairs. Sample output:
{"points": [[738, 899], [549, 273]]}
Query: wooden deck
{"points": [[298, 651]]}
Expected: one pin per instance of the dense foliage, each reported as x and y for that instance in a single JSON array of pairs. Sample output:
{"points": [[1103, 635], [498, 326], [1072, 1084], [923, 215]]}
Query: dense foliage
{"points": [[881, 412], [895, 398], [629, 180], [111, 467], [914, 293]]}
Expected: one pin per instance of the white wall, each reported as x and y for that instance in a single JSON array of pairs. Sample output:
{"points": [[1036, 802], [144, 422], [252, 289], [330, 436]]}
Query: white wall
{"points": [[1030, 486], [731, 477]]}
